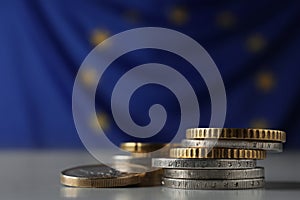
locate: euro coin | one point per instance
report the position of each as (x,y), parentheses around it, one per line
(95,176)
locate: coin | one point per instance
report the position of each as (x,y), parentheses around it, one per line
(180,163)
(236,133)
(225,174)
(217,153)
(239,144)
(213,184)
(97,176)
(137,147)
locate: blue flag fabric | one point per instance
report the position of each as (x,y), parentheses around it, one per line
(254,44)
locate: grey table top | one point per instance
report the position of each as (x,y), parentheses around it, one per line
(35,175)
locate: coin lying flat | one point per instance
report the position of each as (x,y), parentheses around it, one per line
(97,176)
(236,133)
(239,144)
(181,163)
(217,153)
(213,184)
(225,174)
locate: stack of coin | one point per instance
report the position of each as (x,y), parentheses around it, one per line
(219,158)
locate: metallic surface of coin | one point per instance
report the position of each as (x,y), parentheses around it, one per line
(236,133)
(97,176)
(239,144)
(221,174)
(213,184)
(180,163)
(218,153)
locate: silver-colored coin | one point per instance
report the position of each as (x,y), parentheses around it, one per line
(213,184)
(240,144)
(226,174)
(182,163)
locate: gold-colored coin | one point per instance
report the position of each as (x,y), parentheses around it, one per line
(95,176)
(138,147)
(217,153)
(236,133)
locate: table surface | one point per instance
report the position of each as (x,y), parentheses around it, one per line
(35,175)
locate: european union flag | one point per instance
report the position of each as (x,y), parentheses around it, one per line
(43,43)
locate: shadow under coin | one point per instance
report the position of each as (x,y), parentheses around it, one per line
(282,185)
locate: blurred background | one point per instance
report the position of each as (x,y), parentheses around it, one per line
(255,45)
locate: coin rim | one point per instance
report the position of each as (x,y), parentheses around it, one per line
(196,186)
(218,153)
(239,144)
(215,174)
(216,162)
(237,133)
